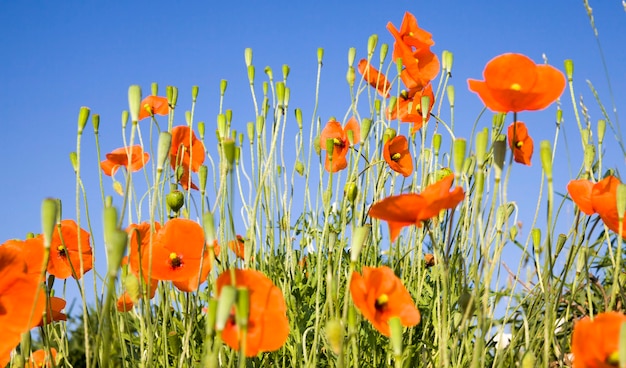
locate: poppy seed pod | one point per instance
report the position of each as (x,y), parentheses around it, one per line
(175,200)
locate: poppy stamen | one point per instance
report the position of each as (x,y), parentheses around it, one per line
(516,87)
(396,156)
(613,359)
(381,302)
(62,250)
(175,260)
(519,144)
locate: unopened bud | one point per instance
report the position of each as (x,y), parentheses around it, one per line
(83,115)
(134,101)
(458,151)
(569,69)
(335,335)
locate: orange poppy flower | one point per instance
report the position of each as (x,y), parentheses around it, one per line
(339,136)
(408,107)
(22,300)
(40,358)
(238,246)
(412,45)
(411,209)
(268,327)
(186,151)
(379,294)
(600,198)
(520,143)
(375,78)
(33,251)
(595,343)
(153,105)
(177,252)
(53,311)
(120,157)
(514,83)
(396,153)
(66,253)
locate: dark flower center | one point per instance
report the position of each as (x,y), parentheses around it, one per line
(175,261)
(381,303)
(62,251)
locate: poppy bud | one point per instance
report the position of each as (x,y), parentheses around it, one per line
(116,247)
(335,335)
(242,311)
(134,101)
(559,117)
(330,147)
(481,146)
(560,242)
(351,55)
(320,55)
(95,121)
(499,149)
(393,100)
(287,96)
(399,65)
(211,313)
(425,106)
(74,160)
(513,231)
(372,41)
(188,117)
(316,145)
(209,227)
(589,157)
(251,73)
(223,85)
(163,150)
(546,158)
(83,115)
(448,59)
(154,88)
(377,106)
(395,327)
(201,130)
(366,125)
(240,138)
(458,151)
(467,303)
(108,201)
(299,167)
(49,214)
(350,76)
(535,235)
(620,197)
(350,191)
(436,143)
(503,213)
(202,175)
(569,69)
(260,123)
(250,131)
(194,93)
(285,71)
(384,49)
(222,131)
(450,94)
(298,113)
(442,173)
(225,303)
(469,166)
(601,130)
(247,55)
(174,97)
(169,93)
(389,134)
(359,237)
(280,92)
(528,360)
(175,200)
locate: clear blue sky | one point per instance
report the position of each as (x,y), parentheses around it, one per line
(58,56)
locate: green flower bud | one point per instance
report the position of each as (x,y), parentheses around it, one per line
(134,101)
(545,152)
(384,49)
(211,315)
(83,115)
(351,55)
(317,146)
(389,134)
(559,116)
(589,156)
(287,96)
(601,130)
(208,224)
(450,94)
(201,128)
(49,214)
(621,202)
(481,146)
(366,125)
(535,235)
(448,59)
(299,118)
(227,299)
(320,55)
(513,231)
(280,92)
(560,242)
(528,360)
(154,88)
(350,191)
(299,167)
(350,76)
(247,54)
(499,150)
(569,69)
(285,71)
(377,106)
(202,176)
(425,106)
(251,73)
(95,122)
(359,237)
(174,97)
(372,41)
(163,150)
(395,326)
(442,173)
(194,93)
(169,93)
(74,160)
(222,130)
(175,200)
(335,335)
(188,117)
(223,85)
(469,166)
(458,149)
(242,312)
(250,131)
(228,148)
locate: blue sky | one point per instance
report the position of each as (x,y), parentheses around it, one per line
(59,56)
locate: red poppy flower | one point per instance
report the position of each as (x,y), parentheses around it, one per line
(339,136)
(40,358)
(33,251)
(53,311)
(408,107)
(411,209)
(412,45)
(132,158)
(66,252)
(375,78)
(513,83)
(186,151)
(153,105)
(600,198)
(595,343)
(520,143)
(238,246)
(396,153)
(177,252)
(379,294)
(268,327)
(22,300)
(141,237)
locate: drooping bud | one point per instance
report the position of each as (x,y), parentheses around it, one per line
(350,191)
(299,167)
(74,160)
(285,71)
